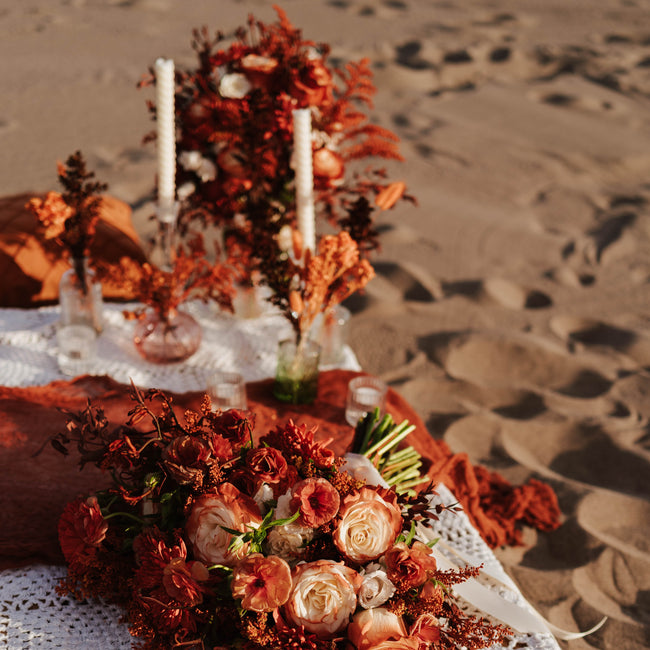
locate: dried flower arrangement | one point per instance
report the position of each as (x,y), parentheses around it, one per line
(208,540)
(235,131)
(69,219)
(192,276)
(305,284)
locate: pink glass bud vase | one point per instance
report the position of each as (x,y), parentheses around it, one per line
(171,339)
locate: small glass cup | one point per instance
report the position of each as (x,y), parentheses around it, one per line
(77,349)
(227,390)
(364,395)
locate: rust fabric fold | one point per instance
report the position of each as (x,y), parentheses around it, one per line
(35,488)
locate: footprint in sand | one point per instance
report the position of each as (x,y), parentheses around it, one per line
(413,283)
(618,520)
(595,334)
(617,585)
(577,451)
(504,292)
(497,362)
(510,294)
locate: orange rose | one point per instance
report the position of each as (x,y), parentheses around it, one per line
(226,507)
(312,84)
(408,567)
(262,583)
(368,523)
(371,627)
(426,629)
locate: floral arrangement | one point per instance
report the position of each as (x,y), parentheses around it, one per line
(305,284)
(191,276)
(235,135)
(209,540)
(69,219)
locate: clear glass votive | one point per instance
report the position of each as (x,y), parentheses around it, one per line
(364,395)
(77,349)
(227,390)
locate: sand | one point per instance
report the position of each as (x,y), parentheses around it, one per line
(511,306)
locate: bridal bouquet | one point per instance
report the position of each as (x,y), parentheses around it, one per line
(209,540)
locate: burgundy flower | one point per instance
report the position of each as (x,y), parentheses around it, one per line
(267,464)
(318,502)
(185,459)
(262,583)
(153,554)
(82,529)
(234,427)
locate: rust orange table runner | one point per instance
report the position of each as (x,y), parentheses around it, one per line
(35,489)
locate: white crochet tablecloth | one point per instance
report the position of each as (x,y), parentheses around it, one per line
(28,349)
(32,616)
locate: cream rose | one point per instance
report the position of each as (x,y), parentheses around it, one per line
(323,596)
(368,523)
(288,541)
(227,507)
(234,86)
(376,588)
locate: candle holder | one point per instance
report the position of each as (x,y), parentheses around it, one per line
(167,215)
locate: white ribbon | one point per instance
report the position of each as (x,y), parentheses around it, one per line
(522,619)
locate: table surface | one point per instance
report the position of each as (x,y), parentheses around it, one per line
(32,616)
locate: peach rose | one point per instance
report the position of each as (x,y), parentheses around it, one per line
(371,627)
(226,507)
(328,166)
(426,629)
(323,597)
(262,583)
(368,523)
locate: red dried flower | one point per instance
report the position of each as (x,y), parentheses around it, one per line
(181,581)
(81,529)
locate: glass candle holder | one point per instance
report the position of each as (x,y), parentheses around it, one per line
(227,390)
(364,395)
(296,378)
(77,349)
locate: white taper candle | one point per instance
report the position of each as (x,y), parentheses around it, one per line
(166,133)
(303,168)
